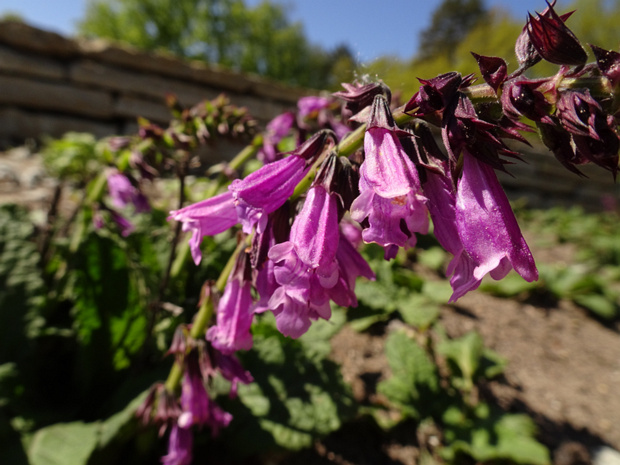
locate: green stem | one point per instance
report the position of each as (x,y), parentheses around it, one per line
(203,317)
(247,153)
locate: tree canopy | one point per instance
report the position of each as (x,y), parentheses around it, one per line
(259,40)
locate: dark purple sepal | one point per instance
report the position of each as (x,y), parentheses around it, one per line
(493,69)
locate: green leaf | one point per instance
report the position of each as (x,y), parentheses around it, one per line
(433,257)
(419,311)
(510,286)
(298,394)
(489,435)
(414,383)
(465,354)
(601,305)
(63,444)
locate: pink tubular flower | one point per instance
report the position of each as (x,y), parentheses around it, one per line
(180,445)
(306,265)
(206,218)
(390,194)
(267,188)
(197,407)
(488,230)
(234,315)
(123,193)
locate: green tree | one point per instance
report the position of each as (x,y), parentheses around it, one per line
(451,22)
(259,40)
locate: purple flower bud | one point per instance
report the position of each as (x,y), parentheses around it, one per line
(234,315)
(561,145)
(180,444)
(125,226)
(521,97)
(359,96)
(493,69)
(593,131)
(434,94)
(178,346)
(206,218)
(608,62)
(553,40)
(577,111)
(267,188)
(390,197)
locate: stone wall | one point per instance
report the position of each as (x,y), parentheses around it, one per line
(50,85)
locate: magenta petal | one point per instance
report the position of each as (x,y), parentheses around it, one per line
(266,189)
(315,230)
(442,207)
(234,318)
(206,218)
(487,226)
(387,168)
(180,444)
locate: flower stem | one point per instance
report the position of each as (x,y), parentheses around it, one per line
(203,317)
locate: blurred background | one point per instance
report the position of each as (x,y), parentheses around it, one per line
(321,43)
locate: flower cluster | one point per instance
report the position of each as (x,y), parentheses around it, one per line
(201,362)
(384,173)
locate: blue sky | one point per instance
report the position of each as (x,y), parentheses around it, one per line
(369,30)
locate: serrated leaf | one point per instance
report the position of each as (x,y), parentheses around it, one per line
(414,381)
(298,395)
(464,353)
(419,311)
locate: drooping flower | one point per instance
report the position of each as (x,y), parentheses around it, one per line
(390,195)
(180,444)
(488,228)
(276,232)
(123,193)
(234,315)
(194,397)
(440,191)
(267,188)
(230,368)
(197,407)
(125,226)
(206,218)
(305,266)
